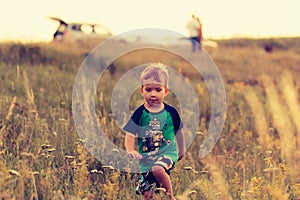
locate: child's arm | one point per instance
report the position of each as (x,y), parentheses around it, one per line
(129,146)
(180,143)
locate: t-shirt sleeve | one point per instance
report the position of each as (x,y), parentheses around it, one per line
(132,126)
(177,123)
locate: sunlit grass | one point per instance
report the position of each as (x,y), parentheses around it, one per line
(256,157)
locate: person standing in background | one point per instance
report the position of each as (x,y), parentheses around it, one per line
(200,33)
(194,28)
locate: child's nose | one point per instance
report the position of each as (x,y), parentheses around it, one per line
(153,93)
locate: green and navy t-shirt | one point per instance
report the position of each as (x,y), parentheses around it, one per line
(155,133)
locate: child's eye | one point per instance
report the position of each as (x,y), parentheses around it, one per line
(148,89)
(158,89)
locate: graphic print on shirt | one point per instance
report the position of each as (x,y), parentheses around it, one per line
(153,137)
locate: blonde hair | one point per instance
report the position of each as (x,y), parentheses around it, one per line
(158,72)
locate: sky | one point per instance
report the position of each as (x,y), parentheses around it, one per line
(27,20)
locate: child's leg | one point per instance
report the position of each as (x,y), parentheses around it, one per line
(149,195)
(163,179)
(145,183)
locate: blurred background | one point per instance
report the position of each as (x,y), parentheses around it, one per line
(27,20)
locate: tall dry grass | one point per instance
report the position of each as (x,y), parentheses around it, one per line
(280,119)
(256,157)
(291,97)
(260,120)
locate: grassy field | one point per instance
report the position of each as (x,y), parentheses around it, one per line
(256,157)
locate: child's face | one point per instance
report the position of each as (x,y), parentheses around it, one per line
(154,93)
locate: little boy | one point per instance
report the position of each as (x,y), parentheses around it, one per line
(155,124)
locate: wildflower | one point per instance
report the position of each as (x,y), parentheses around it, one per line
(282,167)
(14,172)
(108,167)
(62,120)
(269,162)
(192,192)
(84,140)
(188,168)
(111,115)
(96,171)
(199,133)
(46,146)
(256,183)
(115,150)
(70,158)
(269,152)
(239,86)
(161,190)
(51,150)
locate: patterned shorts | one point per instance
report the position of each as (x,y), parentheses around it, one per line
(147,180)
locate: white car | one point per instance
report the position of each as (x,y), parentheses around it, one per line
(79,31)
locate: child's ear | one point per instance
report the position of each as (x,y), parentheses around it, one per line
(141,89)
(166,90)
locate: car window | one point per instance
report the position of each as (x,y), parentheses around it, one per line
(100,30)
(76,27)
(86,29)
(62,28)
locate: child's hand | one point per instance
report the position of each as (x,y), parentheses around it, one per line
(134,155)
(180,156)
